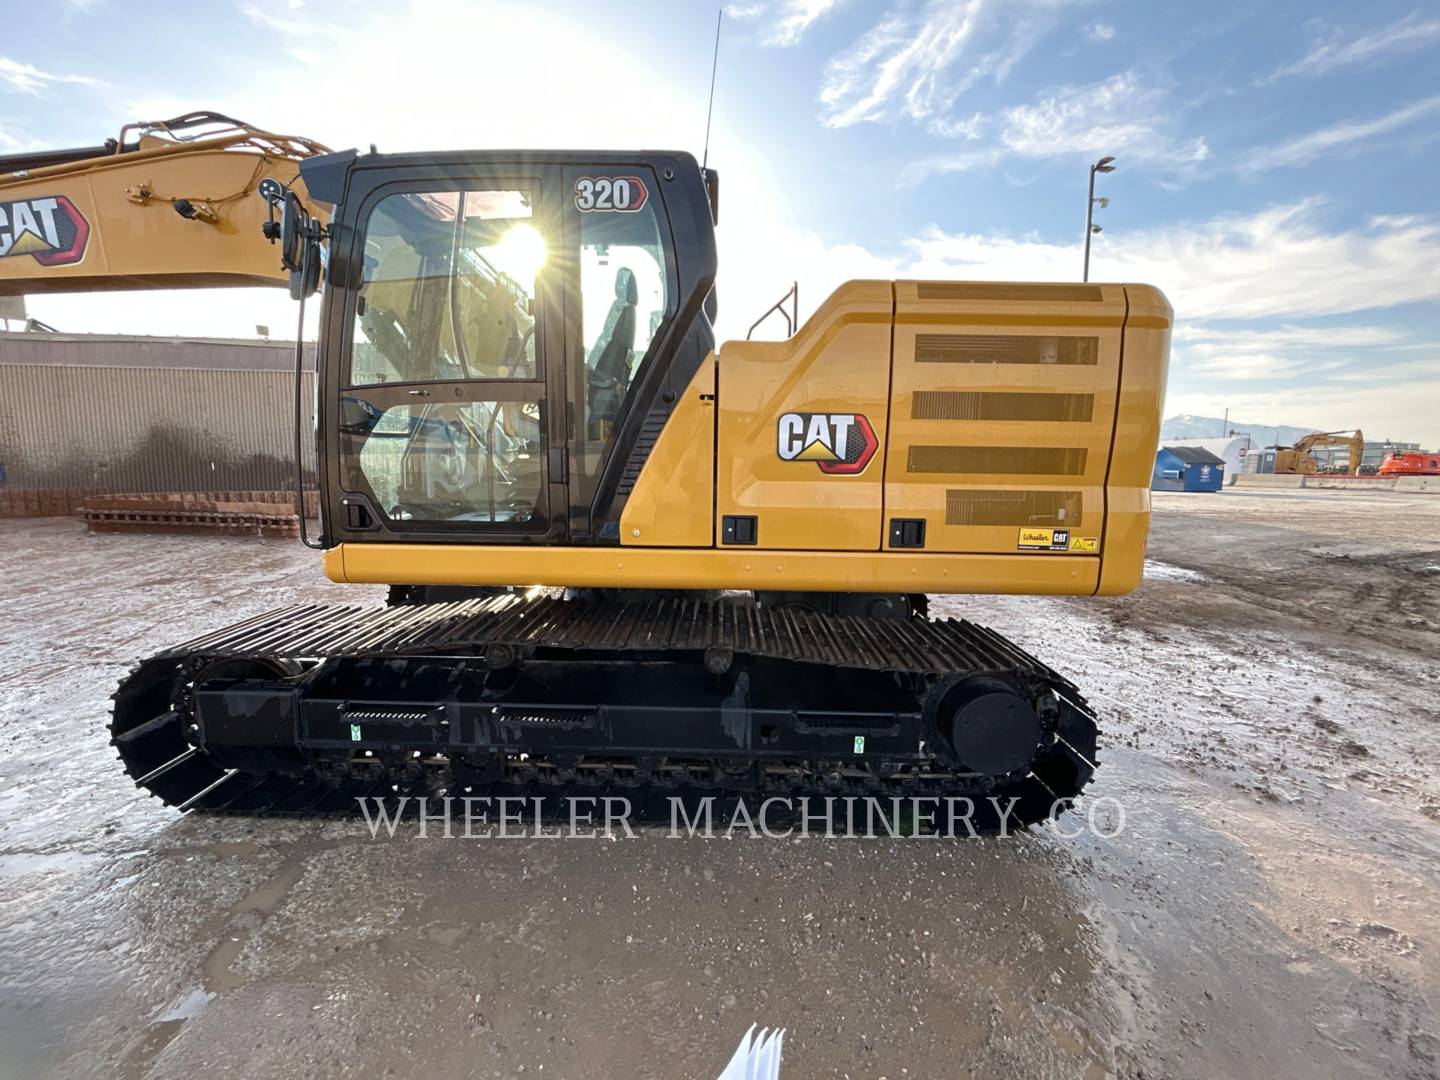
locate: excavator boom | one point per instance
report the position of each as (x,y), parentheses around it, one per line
(170,204)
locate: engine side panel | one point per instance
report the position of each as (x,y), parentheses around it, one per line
(795,415)
(1002,414)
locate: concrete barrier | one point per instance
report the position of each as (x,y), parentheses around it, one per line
(1418,483)
(1430,484)
(1269,480)
(1352,483)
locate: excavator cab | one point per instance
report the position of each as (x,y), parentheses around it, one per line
(501,331)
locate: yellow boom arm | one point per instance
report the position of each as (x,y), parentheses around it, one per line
(171,204)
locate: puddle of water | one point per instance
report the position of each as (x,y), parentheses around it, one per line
(261,903)
(64,862)
(186,1007)
(217,964)
(161,1031)
(147,1046)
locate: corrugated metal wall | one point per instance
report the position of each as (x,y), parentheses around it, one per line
(131,415)
(102,350)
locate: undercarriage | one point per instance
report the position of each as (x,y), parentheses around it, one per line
(316,711)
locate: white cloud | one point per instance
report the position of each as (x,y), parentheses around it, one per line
(794,18)
(31,80)
(1386,404)
(1277,263)
(1253,355)
(1327,377)
(1405,370)
(1292,336)
(915,64)
(296,31)
(1243,367)
(1306,148)
(279,16)
(970,128)
(1108,115)
(1342,49)
(1101,32)
(1122,115)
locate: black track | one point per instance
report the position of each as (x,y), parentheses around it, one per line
(156,730)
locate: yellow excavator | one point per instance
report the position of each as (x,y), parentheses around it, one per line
(622,558)
(1299,458)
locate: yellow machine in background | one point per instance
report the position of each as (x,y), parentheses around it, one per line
(526,428)
(1299,459)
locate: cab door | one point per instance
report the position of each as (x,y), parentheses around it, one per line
(621,293)
(446,377)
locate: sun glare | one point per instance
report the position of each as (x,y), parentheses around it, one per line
(521,253)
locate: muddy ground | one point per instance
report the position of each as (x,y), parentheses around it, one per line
(1271,704)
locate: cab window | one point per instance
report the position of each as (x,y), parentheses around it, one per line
(449,288)
(625,292)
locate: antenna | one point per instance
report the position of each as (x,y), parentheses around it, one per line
(710,109)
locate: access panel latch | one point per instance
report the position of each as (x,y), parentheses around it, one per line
(907,532)
(739,529)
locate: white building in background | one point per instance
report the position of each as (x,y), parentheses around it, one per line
(1233,451)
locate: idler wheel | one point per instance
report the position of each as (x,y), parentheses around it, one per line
(991,727)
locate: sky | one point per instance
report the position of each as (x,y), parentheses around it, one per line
(1275,163)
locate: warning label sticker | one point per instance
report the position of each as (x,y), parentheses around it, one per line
(1088,544)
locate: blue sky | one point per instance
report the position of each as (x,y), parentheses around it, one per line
(1276,173)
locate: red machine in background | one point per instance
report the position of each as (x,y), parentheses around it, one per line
(1410,463)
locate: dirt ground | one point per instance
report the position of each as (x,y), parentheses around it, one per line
(1270,701)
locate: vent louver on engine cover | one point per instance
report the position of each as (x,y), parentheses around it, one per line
(968,405)
(1005,349)
(1013,507)
(1041,460)
(1007,290)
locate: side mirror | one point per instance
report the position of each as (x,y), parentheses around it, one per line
(298,235)
(294,222)
(305,280)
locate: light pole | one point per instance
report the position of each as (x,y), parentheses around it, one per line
(1105,164)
